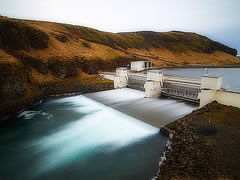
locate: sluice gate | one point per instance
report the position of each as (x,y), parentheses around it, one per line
(180,91)
(136,83)
(136,80)
(181,88)
(155,84)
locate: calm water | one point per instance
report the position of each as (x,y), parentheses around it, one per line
(231,76)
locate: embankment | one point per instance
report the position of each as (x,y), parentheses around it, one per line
(205,145)
(88,84)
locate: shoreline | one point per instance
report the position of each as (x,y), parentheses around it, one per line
(196,145)
(189,154)
(10,109)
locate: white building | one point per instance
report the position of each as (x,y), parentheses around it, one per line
(140,65)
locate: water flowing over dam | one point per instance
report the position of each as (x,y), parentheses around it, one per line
(154,111)
(105,135)
(79,137)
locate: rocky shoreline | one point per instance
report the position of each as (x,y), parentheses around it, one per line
(205,145)
(11,107)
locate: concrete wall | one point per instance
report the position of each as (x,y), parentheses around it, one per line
(222,97)
(120,81)
(228,98)
(211,83)
(121,72)
(152,89)
(154,75)
(206,96)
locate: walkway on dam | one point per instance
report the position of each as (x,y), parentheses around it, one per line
(154,111)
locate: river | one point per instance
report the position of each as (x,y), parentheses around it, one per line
(105,135)
(80,138)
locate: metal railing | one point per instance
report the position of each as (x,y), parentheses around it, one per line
(108,73)
(183,80)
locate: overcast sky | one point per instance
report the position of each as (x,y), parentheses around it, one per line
(218,19)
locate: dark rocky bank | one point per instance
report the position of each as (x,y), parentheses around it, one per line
(204,151)
(11,107)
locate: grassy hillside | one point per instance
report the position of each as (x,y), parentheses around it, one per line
(35,55)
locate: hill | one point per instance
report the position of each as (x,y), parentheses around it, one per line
(35,54)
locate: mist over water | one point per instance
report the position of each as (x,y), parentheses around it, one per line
(79,137)
(76,137)
(155,111)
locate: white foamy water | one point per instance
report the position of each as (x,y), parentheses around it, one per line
(30,114)
(102,126)
(154,111)
(105,135)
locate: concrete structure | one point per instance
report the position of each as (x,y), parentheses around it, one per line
(211,91)
(181,88)
(153,84)
(213,82)
(140,65)
(228,98)
(209,86)
(221,96)
(121,71)
(121,78)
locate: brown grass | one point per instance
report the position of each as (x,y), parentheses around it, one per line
(68,54)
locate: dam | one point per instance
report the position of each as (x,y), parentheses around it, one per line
(155,84)
(99,135)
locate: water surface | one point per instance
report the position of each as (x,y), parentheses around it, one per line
(231,76)
(95,136)
(79,138)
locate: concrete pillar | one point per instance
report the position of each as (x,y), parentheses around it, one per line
(121,78)
(209,86)
(153,84)
(206,96)
(213,82)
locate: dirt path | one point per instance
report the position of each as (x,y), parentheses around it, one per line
(202,150)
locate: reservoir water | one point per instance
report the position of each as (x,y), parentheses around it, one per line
(108,135)
(231,76)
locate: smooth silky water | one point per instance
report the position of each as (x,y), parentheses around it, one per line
(79,138)
(92,136)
